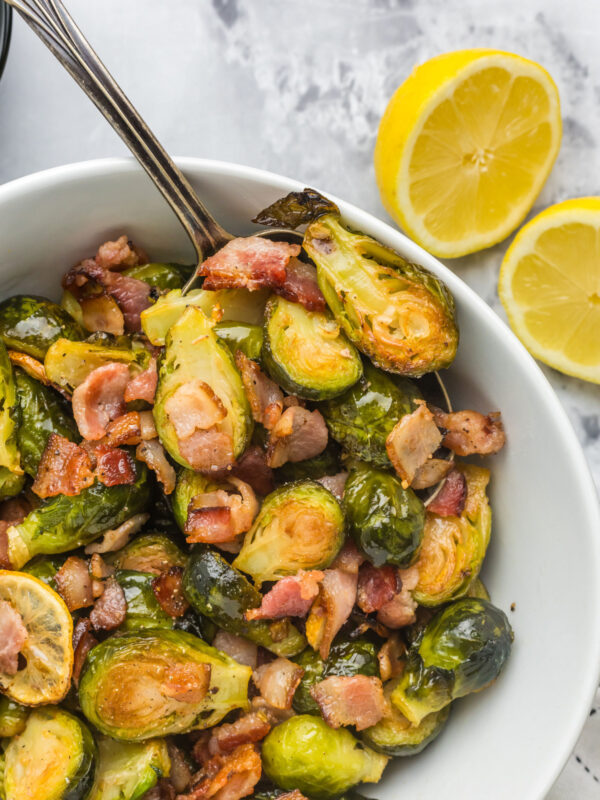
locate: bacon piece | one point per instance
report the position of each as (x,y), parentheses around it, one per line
(187,682)
(336,484)
(143,385)
(289,597)
(100,312)
(164,790)
(13,635)
(99,399)
(248,729)
(228,777)
(411,443)
(252,469)
(208,451)
(331,609)
(220,516)
(14,510)
(299,434)
(180,774)
(117,538)
(355,700)
(349,558)
(277,681)
(400,611)
(194,406)
(432,472)
(83,642)
(295,794)
(119,254)
(242,650)
(391,657)
(98,567)
(168,591)
(74,583)
(300,286)
(131,428)
(450,500)
(376,587)
(65,468)
(114,467)
(469,432)
(4,551)
(264,396)
(249,262)
(153,454)
(110,609)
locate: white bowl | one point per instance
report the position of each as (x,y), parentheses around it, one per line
(511,741)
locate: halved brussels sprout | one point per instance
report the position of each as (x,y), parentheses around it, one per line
(30,324)
(143,609)
(461,650)
(305,753)
(64,523)
(11,474)
(361,419)
(399,314)
(157,682)
(395,736)
(68,364)
(149,552)
(160,275)
(326,463)
(300,526)
(306,353)
(52,759)
(13,717)
(218,591)
(356,657)
(194,353)
(241,336)
(42,412)
(127,770)
(453,548)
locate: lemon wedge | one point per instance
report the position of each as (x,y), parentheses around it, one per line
(465,146)
(550,287)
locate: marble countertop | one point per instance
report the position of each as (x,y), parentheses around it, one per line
(299,88)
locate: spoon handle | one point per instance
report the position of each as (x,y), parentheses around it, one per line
(53,24)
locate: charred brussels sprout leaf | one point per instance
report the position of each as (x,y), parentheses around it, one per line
(241,336)
(326,463)
(300,526)
(461,650)
(454,547)
(69,363)
(306,353)
(295,209)
(305,753)
(13,717)
(161,276)
(194,353)
(361,419)
(218,591)
(397,313)
(42,412)
(11,473)
(157,682)
(384,519)
(52,759)
(478,589)
(143,609)
(64,523)
(127,770)
(395,736)
(31,324)
(356,657)
(149,552)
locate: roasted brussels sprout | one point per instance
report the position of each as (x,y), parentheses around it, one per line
(143,609)
(149,552)
(189,485)
(160,275)
(361,419)
(326,463)
(42,412)
(11,474)
(64,523)
(399,314)
(52,759)
(384,519)
(395,736)
(13,717)
(356,657)
(31,324)
(194,354)
(218,591)
(454,547)
(127,770)
(461,650)
(241,336)
(305,753)
(477,589)
(158,682)
(306,353)
(44,568)
(300,526)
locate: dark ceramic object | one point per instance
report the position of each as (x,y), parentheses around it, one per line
(5,27)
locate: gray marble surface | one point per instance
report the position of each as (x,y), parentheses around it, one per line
(298,88)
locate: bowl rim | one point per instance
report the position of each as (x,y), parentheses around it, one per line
(5,33)
(589,681)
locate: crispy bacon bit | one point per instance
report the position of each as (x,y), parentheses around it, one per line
(299,434)
(15,510)
(248,729)
(289,597)
(274,715)
(164,790)
(242,650)
(143,386)
(228,777)
(336,484)
(350,700)
(119,254)
(277,681)
(300,286)
(153,454)
(349,558)
(450,500)
(249,262)
(264,396)
(168,591)
(180,774)
(412,442)
(295,794)
(4,552)
(100,312)
(99,569)
(64,468)
(13,635)
(118,537)
(99,399)
(252,469)
(83,641)
(376,587)
(331,609)
(74,583)
(110,609)
(391,657)
(400,610)
(125,429)
(432,472)
(187,682)
(208,451)
(114,467)
(220,516)
(469,432)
